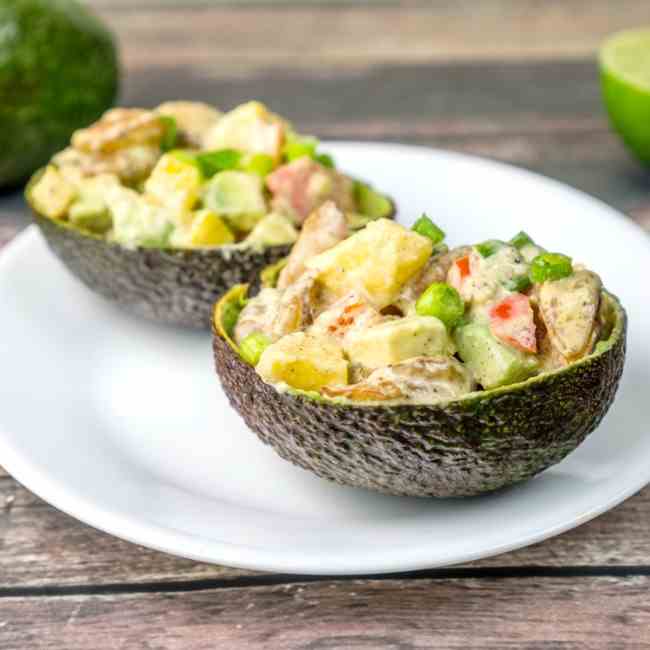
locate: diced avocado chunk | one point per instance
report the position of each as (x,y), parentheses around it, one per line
(252,347)
(492,363)
(398,340)
(90,211)
(51,194)
(370,202)
(91,215)
(273,230)
(137,220)
(238,197)
(304,361)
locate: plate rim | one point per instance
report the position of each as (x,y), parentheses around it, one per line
(255,557)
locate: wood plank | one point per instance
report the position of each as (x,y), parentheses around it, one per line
(525,613)
(236,39)
(497,96)
(44,547)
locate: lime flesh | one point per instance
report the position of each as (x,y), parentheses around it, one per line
(625,81)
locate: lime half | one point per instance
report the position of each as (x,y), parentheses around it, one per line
(625,80)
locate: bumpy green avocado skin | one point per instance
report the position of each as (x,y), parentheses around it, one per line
(479,444)
(58,72)
(178,287)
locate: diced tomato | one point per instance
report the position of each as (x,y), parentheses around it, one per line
(463,266)
(459,271)
(512,321)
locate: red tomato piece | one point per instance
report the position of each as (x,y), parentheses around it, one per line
(463,266)
(512,321)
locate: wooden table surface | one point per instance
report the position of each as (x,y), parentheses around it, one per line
(514,80)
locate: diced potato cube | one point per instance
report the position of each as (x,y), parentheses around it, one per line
(52,194)
(273,230)
(208,229)
(175,183)
(397,340)
(377,261)
(193,119)
(251,128)
(304,361)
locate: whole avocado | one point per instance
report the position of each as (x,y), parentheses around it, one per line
(58,72)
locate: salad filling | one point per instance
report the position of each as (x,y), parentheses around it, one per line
(185,175)
(391,314)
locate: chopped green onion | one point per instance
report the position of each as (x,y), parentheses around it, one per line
(258,163)
(170,133)
(442,301)
(252,346)
(521,239)
(325,159)
(425,227)
(550,266)
(213,162)
(298,147)
(489,247)
(519,284)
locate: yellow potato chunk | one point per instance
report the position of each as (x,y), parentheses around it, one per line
(251,128)
(208,229)
(376,261)
(304,361)
(52,194)
(174,183)
(396,340)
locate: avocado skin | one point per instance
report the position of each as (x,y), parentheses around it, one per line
(178,287)
(58,72)
(466,447)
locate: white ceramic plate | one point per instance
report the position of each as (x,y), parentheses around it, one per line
(122,423)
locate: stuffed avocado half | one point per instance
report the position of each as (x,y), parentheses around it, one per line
(391,362)
(163,210)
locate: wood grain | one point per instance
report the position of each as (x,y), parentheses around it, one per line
(44,547)
(234,39)
(528,613)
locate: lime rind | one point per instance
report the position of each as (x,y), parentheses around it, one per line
(626,55)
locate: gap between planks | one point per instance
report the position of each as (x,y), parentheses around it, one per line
(281,579)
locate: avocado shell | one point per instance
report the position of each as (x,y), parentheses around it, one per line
(172,286)
(477,444)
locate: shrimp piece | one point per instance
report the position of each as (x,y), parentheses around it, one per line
(569,308)
(301,186)
(119,128)
(296,307)
(258,314)
(420,380)
(323,229)
(193,119)
(131,164)
(350,313)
